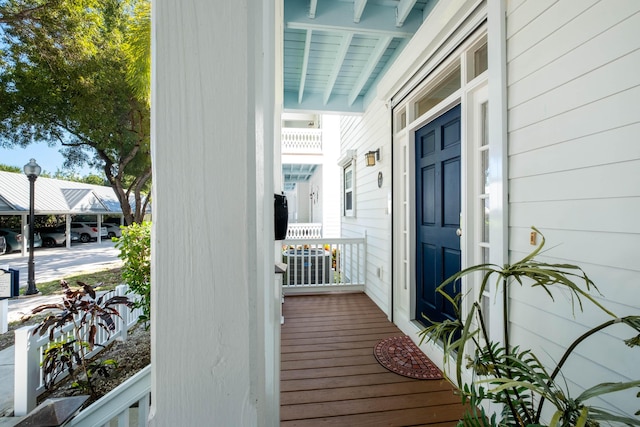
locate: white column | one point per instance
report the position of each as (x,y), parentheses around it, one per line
(214,332)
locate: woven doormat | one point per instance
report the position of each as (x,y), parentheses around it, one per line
(401,356)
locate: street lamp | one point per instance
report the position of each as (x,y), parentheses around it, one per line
(32,170)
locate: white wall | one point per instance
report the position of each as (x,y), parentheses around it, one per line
(366,133)
(315,195)
(574,172)
(331,191)
(214,313)
(574,169)
(303,212)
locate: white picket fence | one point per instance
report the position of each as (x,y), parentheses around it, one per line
(29,352)
(322,265)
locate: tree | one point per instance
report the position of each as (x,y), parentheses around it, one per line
(63,80)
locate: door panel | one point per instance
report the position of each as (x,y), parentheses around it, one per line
(438,181)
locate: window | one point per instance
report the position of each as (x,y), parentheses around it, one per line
(348,190)
(437,94)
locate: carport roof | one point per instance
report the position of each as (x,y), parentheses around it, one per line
(55,196)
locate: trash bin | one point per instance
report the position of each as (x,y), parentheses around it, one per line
(307,266)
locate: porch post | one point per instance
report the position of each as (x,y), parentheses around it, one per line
(213,336)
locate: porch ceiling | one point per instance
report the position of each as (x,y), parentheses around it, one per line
(335,50)
(297,172)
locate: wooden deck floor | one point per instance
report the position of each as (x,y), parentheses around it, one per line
(329,376)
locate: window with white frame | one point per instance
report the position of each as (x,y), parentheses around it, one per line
(348,190)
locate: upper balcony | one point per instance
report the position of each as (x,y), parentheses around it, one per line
(301,141)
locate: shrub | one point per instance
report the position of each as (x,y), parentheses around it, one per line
(515,377)
(135,252)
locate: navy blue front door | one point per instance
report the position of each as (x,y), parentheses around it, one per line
(437,212)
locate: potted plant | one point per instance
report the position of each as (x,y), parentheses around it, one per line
(515,377)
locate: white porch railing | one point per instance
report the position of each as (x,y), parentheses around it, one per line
(29,353)
(301,141)
(322,265)
(304,230)
(124,406)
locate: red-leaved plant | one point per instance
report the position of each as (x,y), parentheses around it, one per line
(87,312)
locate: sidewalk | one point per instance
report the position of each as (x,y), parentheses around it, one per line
(50,264)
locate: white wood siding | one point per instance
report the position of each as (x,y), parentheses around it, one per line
(215,315)
(366,133)
(574,172)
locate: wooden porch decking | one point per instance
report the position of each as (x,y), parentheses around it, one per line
(329,376)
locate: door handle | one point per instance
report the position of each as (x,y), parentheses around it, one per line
(459,232)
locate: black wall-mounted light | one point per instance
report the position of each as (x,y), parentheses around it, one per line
(371,157)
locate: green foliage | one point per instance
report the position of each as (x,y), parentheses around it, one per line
(514,377)
(135,252)
(72,355)
(63,81)
(138,49)
(7,168)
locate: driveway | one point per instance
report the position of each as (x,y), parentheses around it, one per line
(55,264)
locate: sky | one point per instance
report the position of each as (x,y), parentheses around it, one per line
(49,159)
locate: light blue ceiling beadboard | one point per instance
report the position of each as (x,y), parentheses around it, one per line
(335,50)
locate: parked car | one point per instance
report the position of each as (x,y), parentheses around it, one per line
(3,245)
(89,231)
(13,239)
(75,236)
(113,230)
(56,236)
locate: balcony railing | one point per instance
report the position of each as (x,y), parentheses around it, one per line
(321,265)
(304,230)
(125,405)
(301,141)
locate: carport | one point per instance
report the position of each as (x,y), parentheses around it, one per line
(55,197)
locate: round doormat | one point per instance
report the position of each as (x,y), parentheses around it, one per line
(401,356)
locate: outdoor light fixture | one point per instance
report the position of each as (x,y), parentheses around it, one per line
(32,170)
(372,156)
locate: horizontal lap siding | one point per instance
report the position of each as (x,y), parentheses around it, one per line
(368,133)
(574,172)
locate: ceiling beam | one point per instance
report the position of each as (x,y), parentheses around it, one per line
(313,5)
(374,57)
(402,11)
(335,15)
(305,64)
(337,65)
(358,8)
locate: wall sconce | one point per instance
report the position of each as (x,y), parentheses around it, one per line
(371,157)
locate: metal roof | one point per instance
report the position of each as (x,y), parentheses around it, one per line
(336,50)
(55,196)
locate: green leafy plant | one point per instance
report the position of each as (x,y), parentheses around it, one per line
(515,377)
(87,312)
(135,252)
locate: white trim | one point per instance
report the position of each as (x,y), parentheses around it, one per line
(498,174)
(347,158)
(455,20)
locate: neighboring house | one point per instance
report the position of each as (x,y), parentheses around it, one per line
(310,145)
(544,94)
